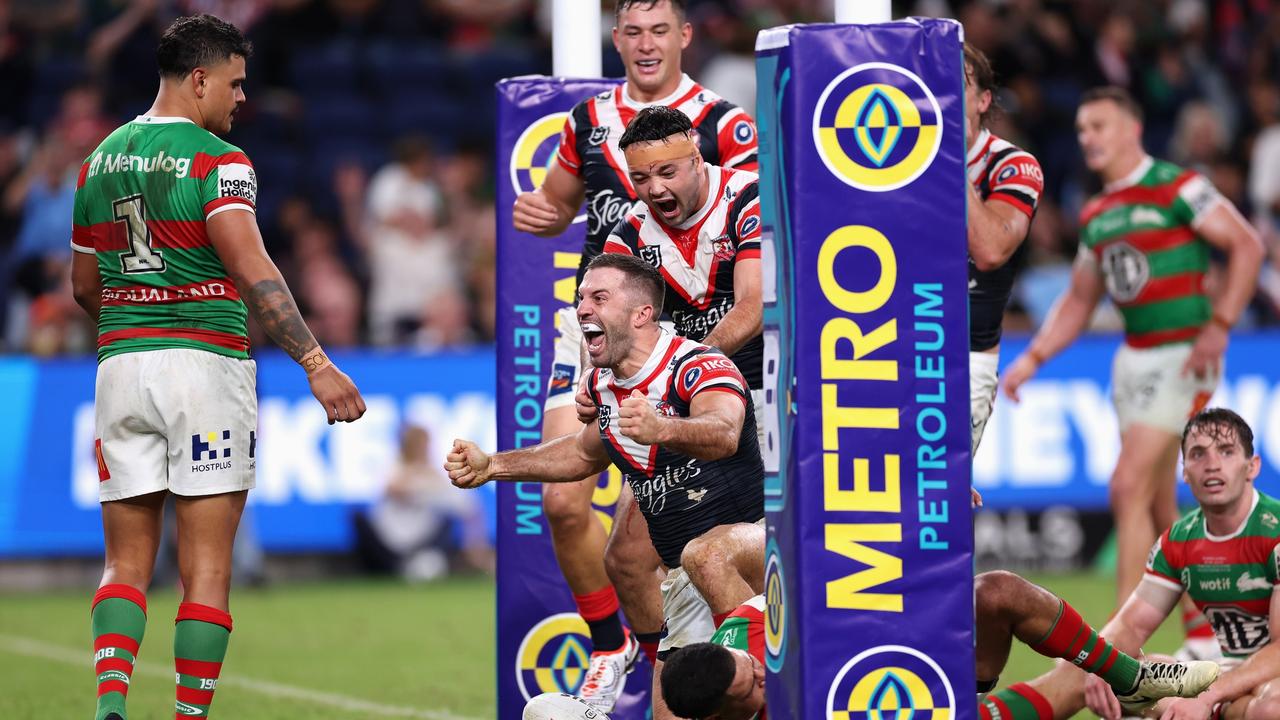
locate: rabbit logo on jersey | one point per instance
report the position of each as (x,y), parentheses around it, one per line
(877,127)
(553,656)
(891,681)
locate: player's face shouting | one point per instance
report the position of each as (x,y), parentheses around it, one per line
(1217,467)
(668,176)
(604,313)
(1104,130)
(650,40)
(223,93)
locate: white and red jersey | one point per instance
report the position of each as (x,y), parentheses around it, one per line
(1000,171)
(697,257)
(725,133)
(682,497)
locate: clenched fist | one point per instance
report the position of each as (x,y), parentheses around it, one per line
(533,213)
(467,465)
(638,421)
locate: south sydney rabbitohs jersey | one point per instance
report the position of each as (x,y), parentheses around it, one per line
(1230,579)
(682,497)
(697,259)
(1000,171)
(142,200)
(589,150)
(744,630)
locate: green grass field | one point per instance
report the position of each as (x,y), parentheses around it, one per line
(341,650)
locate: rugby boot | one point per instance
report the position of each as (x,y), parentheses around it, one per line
(607,674)
(1161,680)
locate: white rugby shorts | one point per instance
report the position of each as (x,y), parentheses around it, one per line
(983,382)
(687,615)
(566,362)
(1148,387)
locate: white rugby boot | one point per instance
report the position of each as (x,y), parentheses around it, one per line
(1161,680)
(607,674)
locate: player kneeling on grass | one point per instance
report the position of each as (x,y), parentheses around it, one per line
(724,678)
(675,417)
(1225,555)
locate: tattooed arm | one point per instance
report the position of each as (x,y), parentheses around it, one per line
(236,239)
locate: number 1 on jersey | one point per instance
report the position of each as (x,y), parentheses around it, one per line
(141,258)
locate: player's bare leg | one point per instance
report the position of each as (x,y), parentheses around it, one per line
(726,564)
(1262,704)
(206,533)
(634,566)
(131,530)
(1148,457)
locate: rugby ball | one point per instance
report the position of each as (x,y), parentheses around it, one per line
(560,706)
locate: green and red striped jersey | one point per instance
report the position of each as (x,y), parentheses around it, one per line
(1229,578)
(141,203)
(1141,232)
(744,630)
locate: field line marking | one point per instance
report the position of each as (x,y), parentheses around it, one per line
(58,653)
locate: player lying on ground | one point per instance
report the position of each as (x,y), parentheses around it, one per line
(674,416)
(724,678)
(1223,554)
(650,36)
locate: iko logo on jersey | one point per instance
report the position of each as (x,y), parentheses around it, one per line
(120,162)
(239,181)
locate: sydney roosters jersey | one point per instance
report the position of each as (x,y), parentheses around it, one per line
(1000,171)
(682,497)
(697,258)
(589,150)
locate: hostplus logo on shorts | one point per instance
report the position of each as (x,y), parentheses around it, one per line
(877,127)
(211,451)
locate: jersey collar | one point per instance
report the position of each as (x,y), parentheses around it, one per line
(1234,533)
(161,120)
(1133,177)
(665,338)
(979,146)
(686,84)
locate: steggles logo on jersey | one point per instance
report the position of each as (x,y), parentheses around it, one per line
(697,326)
(119,162)
(605,211)
(652,492)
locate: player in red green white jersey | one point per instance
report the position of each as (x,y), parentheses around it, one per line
(1225,555)
(169,262)
(1145,243)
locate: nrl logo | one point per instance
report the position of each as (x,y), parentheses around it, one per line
(599,135)
(651,254)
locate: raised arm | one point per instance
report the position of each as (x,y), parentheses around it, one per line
(711,431)
(745,320)
(996,229)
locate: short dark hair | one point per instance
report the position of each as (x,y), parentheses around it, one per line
(1115,94)
(654,123)
(978,67)
(625,5)
(198,41)
(640,275)
(1217,423)
(695,679)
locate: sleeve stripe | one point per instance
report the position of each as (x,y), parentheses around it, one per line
(236,204)
(748,253)
(81,248)
(731,117)
(1017,202)
(1199,219)
(731,389)
(741,159)
(613,246)
(1159,579)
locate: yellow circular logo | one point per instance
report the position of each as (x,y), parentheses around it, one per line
(877,126)
(534,152)
(775,624)
(891,681)
(553,656)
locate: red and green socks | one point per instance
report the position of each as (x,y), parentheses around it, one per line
(119,617)
(1016,702)
(199,645)
(1073,640)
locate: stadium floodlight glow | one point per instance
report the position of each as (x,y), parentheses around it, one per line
(575,39)
(863,12)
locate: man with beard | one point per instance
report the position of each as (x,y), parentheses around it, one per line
(674,416)
(650,36)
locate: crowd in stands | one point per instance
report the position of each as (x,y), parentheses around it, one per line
(370,123)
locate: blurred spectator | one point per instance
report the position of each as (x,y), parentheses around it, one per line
(423,524)
(411,258)
(1199,137)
